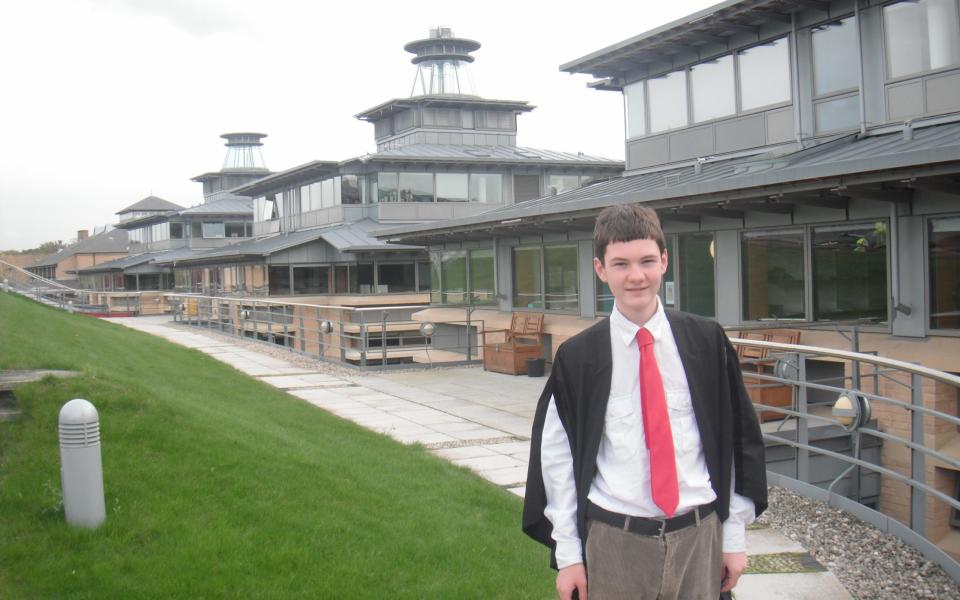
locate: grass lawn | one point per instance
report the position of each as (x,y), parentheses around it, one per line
(219,486)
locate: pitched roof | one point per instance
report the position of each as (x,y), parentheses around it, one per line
(234,205)
(150,203)
(111,241)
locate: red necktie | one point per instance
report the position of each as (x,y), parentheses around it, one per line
(656,428)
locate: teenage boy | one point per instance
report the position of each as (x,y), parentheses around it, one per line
(646,458)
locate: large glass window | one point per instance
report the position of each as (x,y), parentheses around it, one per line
(213,230)
(558,184)
(349,190)
(764,74)
(423,276)
(453,273)
(527,278)
(311,280)
(773,275)
(668,101)
(361,278)
(416,187)
(944,247)
(835,56)
(386,187)
(452,187)
(481,276)
(435,268)
(486,187)
(560,278)
(839,113)
(234,230)
(921,35)
(635,109)
(341,279)
(697,273)
(399,277)
(279,279)
(176,231)
(850,271)
(713,90)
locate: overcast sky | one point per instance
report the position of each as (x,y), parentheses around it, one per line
(104,102)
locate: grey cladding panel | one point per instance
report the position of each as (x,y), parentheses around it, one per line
(691,143)
(740,134)
(904,100)
(943,93)
(780,125)
(643,153)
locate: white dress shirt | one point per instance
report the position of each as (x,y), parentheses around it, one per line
(622,481)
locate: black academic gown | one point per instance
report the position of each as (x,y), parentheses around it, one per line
(580,386)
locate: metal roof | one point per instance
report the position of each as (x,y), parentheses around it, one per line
(345,237)
(150,203)
(135,262)
(308,171)
(236,205)
(764,182)
(712,26)
(488,154)
(111,241)
(453,100)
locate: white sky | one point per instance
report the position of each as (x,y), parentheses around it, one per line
(104,102)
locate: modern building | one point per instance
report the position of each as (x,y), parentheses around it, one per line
(443,153)
(804,158)
(88,250)
(160,230)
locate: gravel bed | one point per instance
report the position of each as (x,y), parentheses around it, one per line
(869,563)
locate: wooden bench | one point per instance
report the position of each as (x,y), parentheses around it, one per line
(507,350)
(768,393)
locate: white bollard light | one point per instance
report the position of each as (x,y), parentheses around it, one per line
(81,470)
(6,284)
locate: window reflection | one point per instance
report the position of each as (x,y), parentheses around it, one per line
(486,187)
(921,35)
(527,290)
(850,271)
(558,184)
(839,113)
(635,109)
(560,270)
(773,275)
(668,101)
(764,74)
(452,187)
(697,274)
(835,56)
(944,248)
(416,187)
(713,91)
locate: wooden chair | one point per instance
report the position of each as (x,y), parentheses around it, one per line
(771,393)
(507,350)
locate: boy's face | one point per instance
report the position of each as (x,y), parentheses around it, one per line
(633,270)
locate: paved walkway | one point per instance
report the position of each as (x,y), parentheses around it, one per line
(481,421)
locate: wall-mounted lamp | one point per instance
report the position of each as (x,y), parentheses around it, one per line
(851,410)
(427,329)
(326,326)
(903,309)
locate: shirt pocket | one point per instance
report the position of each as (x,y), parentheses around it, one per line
(683,422)
(623,430)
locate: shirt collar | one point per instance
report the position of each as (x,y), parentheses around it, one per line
(627,330)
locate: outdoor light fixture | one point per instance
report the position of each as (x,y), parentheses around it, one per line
(851,410)
(326,326)
(70,306)
(427,329)
(245,314)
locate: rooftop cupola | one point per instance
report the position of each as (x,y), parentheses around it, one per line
(442,64)
(243,151)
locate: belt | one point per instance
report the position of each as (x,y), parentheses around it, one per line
(647,526)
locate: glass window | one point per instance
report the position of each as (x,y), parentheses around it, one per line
(327,197)
(386,187)
(235,230)
(921,35)
(850,272)
(696,266)
(604,296)
(560,269)
(668,101)
(944,248)
(453,276)
(481,276)
(835,56)
(635,109)
(349,190)
(452,187)
(213,230)
(311,280)
(361,278)
(713,89)
(416,187)
(395,278)
(764,74)
(527,289)
(176,231)
(773,275)
(558,184)
(279,279)
(839,113)
(668,286)
(423,276)
(435,265)
(486,187)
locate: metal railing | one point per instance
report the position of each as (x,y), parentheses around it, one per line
(382,337)
(893,404)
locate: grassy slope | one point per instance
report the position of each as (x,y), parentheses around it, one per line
(218,486)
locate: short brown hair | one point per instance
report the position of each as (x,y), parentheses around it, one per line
(625,223)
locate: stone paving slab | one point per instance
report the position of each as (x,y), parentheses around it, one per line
(791,586)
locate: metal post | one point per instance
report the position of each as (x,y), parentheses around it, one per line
(469,345)
(383,339)
(303,341)
(286,328)
(855,435)
(343,346)
(363,343)
(918,504)
(803,431)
